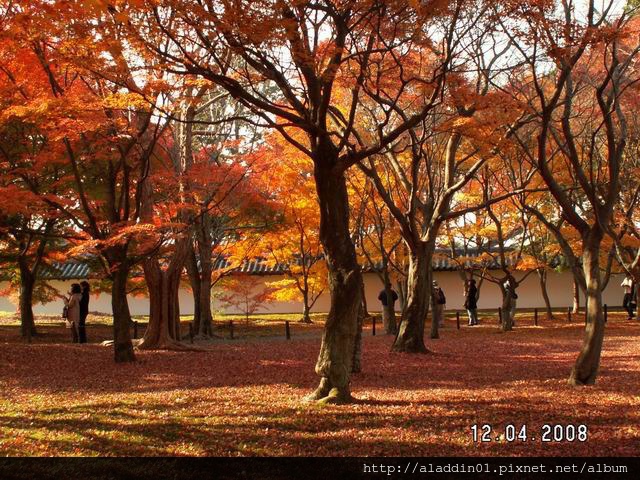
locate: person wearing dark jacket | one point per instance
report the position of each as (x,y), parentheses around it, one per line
(388,310)
(84,312)
(471,302)
(383,297)
(439,303)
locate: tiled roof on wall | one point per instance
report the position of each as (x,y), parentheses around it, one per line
(66,271)
(75,270)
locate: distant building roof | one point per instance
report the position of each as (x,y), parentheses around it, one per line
(74,270)
(66,271)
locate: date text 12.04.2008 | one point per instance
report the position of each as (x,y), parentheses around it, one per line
(521,433)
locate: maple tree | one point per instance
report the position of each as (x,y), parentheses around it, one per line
(379,242)
(542,249)
(27,228)
(319,39)
(143,138)
(581,131)
(623,231)
(294,244)
(508,234)
(99,135)
(229,208)
(245,292)
(420,176)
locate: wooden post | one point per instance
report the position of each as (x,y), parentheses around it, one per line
(535,317)
(606,312)
(373,331)
(191,331)
(135,329)
(500,315)
(231,329)
(458,319)
(287,331)
(569,313)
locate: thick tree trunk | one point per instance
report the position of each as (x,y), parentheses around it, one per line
(164,308)
(507,319)
(388,310)
(402,295)
(123,348)
(389,319)
(200,280)
(205,244)
(410,337)
(338,340)
(163,312)
(27,283)
(586,367)
(542,276)
(576,297)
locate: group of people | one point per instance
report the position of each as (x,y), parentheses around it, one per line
(76,310)
(440,301)
(77,304)
(471,299)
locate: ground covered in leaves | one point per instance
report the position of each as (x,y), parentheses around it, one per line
(243,397)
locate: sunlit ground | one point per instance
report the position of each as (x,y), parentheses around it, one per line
(244,397)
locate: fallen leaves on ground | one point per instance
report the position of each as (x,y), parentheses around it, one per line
(245,398)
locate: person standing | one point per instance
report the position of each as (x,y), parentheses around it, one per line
(471,302)
(627,301)
(84,311)
(513,298)
(388,309)
(73,309)
(439,302)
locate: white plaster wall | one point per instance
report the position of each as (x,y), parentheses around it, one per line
(559,287)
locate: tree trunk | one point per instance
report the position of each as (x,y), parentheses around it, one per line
(410,337)
(205,244)
(200,280)
(388,310)
(434,334)
(435,309)
(206,318)
(194,281)
(542,276)
(507,319)
(402,294)
(389,319)
(356,366)
(123,348)
(164,309)
(365,309)
(586,367)
(306,317)
(576,297)
(338,340)
(27,283)
(637,287)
